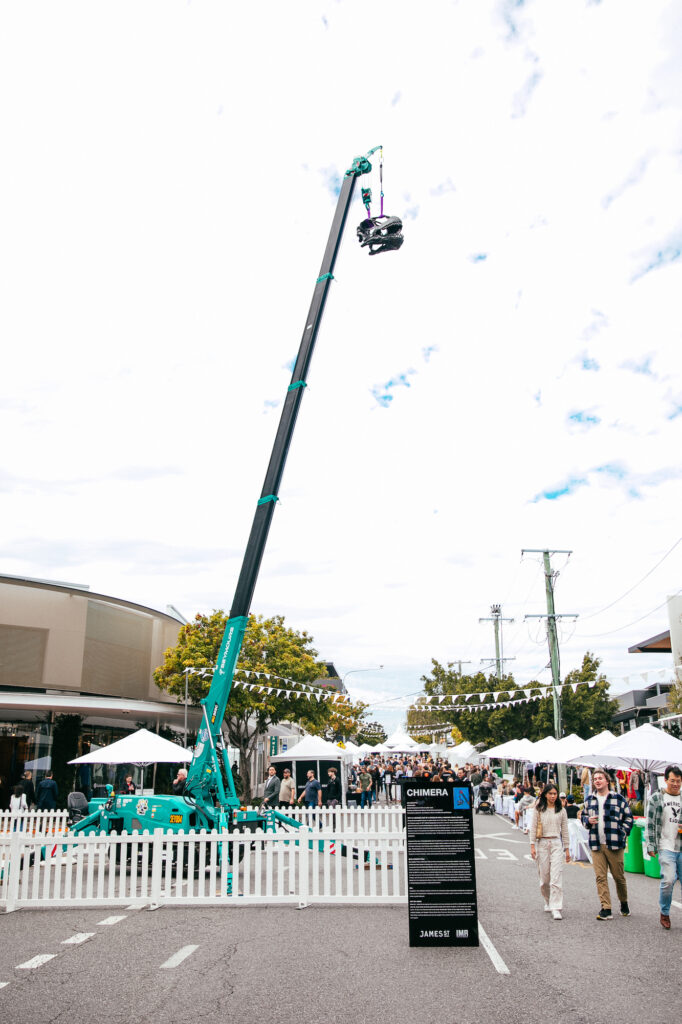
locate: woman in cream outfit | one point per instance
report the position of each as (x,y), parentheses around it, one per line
(548,833)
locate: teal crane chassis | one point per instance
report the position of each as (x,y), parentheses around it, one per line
(210,801)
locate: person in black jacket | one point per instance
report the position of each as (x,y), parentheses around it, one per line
(333,795)
(28,788)
(179,782)
(46,794)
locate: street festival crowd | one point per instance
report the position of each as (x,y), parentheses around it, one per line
(541,811)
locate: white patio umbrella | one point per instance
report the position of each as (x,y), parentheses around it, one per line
(141,748)
(647,748)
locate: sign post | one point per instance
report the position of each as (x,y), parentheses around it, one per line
(441,873)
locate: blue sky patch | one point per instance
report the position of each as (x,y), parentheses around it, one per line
(643,366)
(382,392)
(584,418)
(561,490)
(588,363)
(613,469)
(669,254)
(478,257)
(332,180)
(428,351)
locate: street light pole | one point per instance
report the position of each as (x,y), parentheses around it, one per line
(350,673)
(187,671)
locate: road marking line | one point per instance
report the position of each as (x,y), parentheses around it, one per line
(498,963)
(178,957)
(504,853)
(676,904)
(4,984)
(113,920)
(76,939)
(36,961)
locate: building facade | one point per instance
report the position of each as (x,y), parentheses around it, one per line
(66,651)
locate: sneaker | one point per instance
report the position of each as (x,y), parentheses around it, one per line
(604,915)
(514,827)
(665,921)
(624,910)
(556,914)
(547,908)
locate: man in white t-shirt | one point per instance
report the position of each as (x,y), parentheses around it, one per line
(664,837)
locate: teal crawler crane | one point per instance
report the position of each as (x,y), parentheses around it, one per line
(210,801)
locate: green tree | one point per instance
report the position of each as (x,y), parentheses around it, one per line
(674,699)
(372,733)
(269,646)
(486,726)
(587,711)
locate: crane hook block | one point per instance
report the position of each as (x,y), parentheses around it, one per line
(366,196)
(380,234)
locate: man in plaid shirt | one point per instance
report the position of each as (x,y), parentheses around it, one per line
(608,817)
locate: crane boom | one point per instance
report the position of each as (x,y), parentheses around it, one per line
(206,774)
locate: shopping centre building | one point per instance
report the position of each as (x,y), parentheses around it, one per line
(66,651)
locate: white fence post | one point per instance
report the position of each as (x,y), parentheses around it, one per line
(157,864)
(13,866)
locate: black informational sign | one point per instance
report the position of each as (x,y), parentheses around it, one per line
(441,876)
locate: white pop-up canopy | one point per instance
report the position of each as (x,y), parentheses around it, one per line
(314,753)
(512,750)
(313,748)
(400,742)
(140,748)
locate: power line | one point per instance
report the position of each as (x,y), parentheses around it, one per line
(606,607)
(591,636)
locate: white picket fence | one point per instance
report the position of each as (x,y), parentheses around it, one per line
(350,819)
(43,823)
(341,819)
(232,869)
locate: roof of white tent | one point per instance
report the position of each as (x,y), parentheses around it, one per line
(400,741)
(140,748)
(646,748)
(597,743)
(313,748)
(568,747)
(463,750)
(546,750)
(351,747)
(511,749)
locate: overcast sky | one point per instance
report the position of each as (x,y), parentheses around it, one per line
(511,378)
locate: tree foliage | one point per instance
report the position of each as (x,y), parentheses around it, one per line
(585,712)
(269,646)
(371,733)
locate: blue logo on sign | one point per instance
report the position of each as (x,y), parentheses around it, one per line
(461,798)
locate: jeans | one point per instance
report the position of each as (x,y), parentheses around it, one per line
(671,872)
(366,797)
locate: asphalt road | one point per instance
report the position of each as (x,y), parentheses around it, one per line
(280,965)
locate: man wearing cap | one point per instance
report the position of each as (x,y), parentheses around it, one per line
(608,817)
(663,836)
